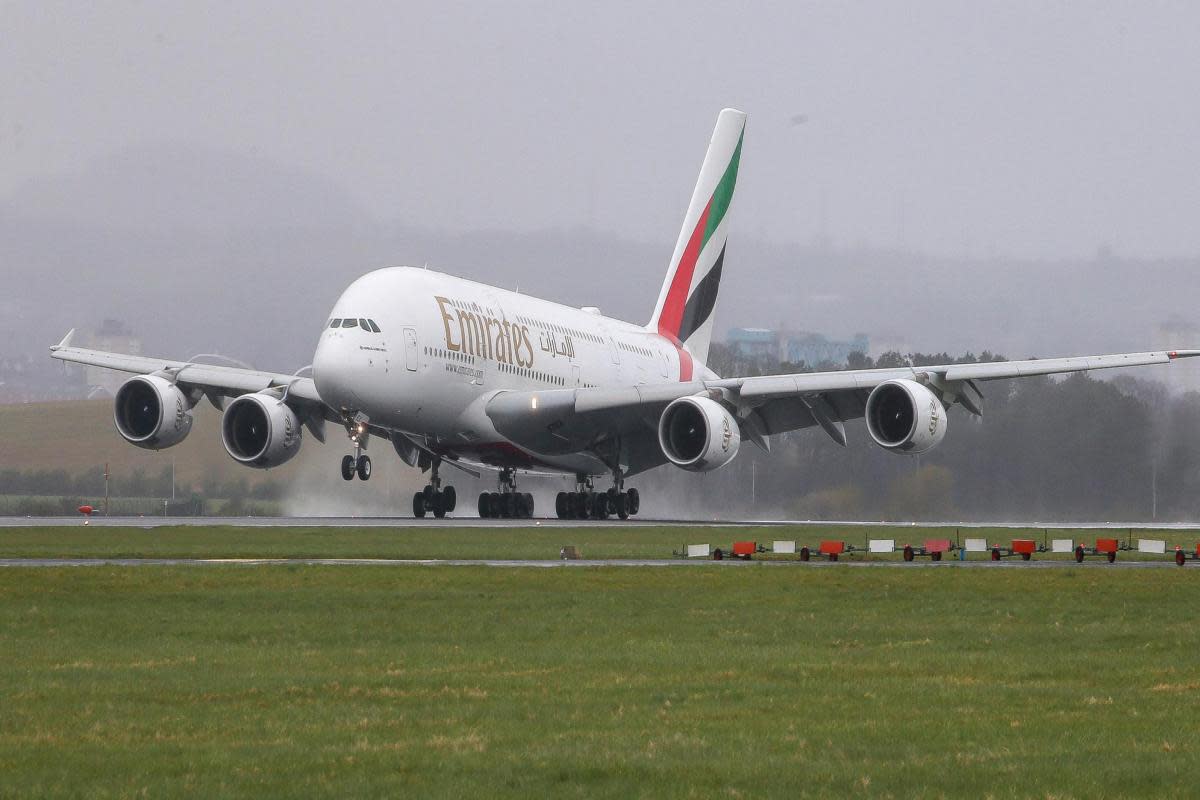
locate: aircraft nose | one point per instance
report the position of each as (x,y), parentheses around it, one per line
(331,371)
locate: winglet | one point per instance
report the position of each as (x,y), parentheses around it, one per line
(66,341)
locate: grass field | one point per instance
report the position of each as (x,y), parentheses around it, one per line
(375,681)
(488,542)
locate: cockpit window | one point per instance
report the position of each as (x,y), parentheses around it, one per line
(374,327)
(335,323)
(349,323)
(363,324)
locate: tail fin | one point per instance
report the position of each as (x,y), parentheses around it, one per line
(685,304)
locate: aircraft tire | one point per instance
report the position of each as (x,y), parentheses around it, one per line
(560,505)
(364,468)
(485,507)
(450,498)
(494,505)
(528,505)
(620,506)
(634,502)
(418,505)
(348,468)
(439,505)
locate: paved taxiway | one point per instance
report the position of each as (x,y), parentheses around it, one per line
(550,564)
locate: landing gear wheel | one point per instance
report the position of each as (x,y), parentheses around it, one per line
(485,506)
(439,505)
(634,502)
(450,498)
(589,505)
(494,505)
(508,505)
(419,505)
(348,468)
(621,508)
(364,468)
(528,505)
(600,506)
(560,505)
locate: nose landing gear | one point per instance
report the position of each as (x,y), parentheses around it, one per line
(507,503)
(359,463)
(434,499)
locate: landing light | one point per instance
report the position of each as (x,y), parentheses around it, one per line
(533,404)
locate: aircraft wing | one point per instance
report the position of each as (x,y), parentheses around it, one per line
(213,380)
(563,420)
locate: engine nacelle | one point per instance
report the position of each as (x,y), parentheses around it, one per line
(260,431)
(905,417)
(152,412)
(698,434)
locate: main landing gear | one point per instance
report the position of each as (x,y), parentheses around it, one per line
(507,503)
(587,503)
(360,463)
(434,498)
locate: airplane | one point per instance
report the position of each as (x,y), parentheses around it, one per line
(458,373)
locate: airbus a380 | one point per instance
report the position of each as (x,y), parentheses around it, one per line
(454,372)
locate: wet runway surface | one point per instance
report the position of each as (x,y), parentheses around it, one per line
(550,564)
(476,522)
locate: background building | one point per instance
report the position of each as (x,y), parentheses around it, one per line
(794,347)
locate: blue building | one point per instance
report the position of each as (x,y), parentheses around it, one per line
(794,346)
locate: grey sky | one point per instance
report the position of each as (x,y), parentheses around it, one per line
(1030,129)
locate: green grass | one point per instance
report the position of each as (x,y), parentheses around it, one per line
(494,542)
(621,682)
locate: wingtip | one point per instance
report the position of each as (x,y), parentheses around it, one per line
(66,341)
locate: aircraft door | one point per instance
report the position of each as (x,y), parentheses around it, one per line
(410,349)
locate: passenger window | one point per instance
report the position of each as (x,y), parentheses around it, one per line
(374,327)
(349,323)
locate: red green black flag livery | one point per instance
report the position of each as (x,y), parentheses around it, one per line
(689,293)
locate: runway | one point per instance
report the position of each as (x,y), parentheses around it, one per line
(476,522)
(567,564)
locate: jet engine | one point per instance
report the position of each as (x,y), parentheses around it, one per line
(260,430)
(698,434)
(152,412)
(905,417)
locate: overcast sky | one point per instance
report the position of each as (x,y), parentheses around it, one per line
(959,128)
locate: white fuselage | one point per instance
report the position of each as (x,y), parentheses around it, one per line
(446,346)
